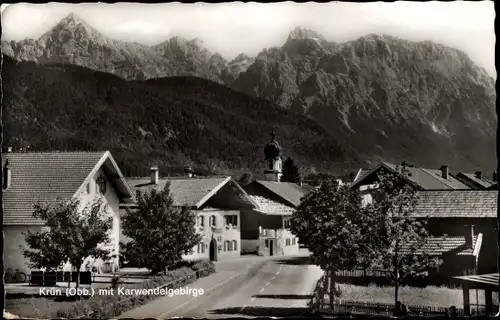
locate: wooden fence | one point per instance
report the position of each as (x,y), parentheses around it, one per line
(320,304)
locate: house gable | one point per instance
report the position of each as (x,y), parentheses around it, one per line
(47,177)
(423,179)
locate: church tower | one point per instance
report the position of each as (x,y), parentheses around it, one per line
(272,153)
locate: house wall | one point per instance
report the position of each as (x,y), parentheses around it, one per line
(111,199)
(223,233)
(14,238)
(13,247)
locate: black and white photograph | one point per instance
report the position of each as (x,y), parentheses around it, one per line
(249,160)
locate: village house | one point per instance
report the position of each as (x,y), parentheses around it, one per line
(422,179)
(468,215)
(461,221)
(266,230)
(218,203)
(50,177)
(477,180)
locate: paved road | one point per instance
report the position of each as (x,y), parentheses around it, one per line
(243,288)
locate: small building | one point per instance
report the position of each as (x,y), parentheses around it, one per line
(469,219)
(477,180)
(422,178)
(218,203)
(50,177)
(267,228)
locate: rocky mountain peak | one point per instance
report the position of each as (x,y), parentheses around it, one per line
(300,33)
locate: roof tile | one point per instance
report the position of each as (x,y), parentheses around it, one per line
(44,177)
(184,192)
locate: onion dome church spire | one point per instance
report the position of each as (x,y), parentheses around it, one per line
(272,153)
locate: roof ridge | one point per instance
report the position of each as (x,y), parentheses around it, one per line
(56,152)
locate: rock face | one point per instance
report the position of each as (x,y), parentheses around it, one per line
(74,41)
(388,98)
(384,97)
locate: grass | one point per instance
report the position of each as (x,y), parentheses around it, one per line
(429,296)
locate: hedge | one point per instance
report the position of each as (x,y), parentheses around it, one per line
(103,306)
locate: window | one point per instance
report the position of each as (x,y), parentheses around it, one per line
(287,223)
(200,221)
(231,220)
(101,184)
(293,241)
(202,245)
(235,245)
(213,221)
(287,241)
(87,188)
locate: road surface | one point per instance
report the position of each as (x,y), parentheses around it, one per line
(271,287)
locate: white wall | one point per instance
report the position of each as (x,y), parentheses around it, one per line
(112,202)
(289,247)
(227,233)
(13,254)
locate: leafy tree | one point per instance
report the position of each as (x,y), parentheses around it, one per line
(245,179)
(73,233)
(400,244)
(290,172)
(160,232)
(332,223)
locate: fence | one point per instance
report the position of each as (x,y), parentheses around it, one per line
(358,307)
(320,303)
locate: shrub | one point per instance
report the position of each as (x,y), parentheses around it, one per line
(113,305)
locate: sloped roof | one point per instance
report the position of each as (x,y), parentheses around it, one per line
(457,204)
(48,177)
(439,245)
(427,179)
(361,174)
(271,207)
(485,183)
(290,192)
(191,192)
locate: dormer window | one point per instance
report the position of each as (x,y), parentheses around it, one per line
(101,184)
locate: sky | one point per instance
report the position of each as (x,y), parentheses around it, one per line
(233,28)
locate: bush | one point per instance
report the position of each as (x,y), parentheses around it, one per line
(113,305)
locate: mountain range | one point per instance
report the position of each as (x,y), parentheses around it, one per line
(378,97)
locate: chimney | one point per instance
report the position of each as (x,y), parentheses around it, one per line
(469,238)
(444,172)
(479,175)
(7,176)
(495,176)
(188,171)
(155,172)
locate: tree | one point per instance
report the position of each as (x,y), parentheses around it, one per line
(245,179)
(73,234)
(400,244)
(160,232)
(290,172)
(332,223)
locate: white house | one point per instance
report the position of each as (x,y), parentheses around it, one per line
(50,177)
(217,201)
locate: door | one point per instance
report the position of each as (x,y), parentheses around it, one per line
(271,247)
(213,250)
